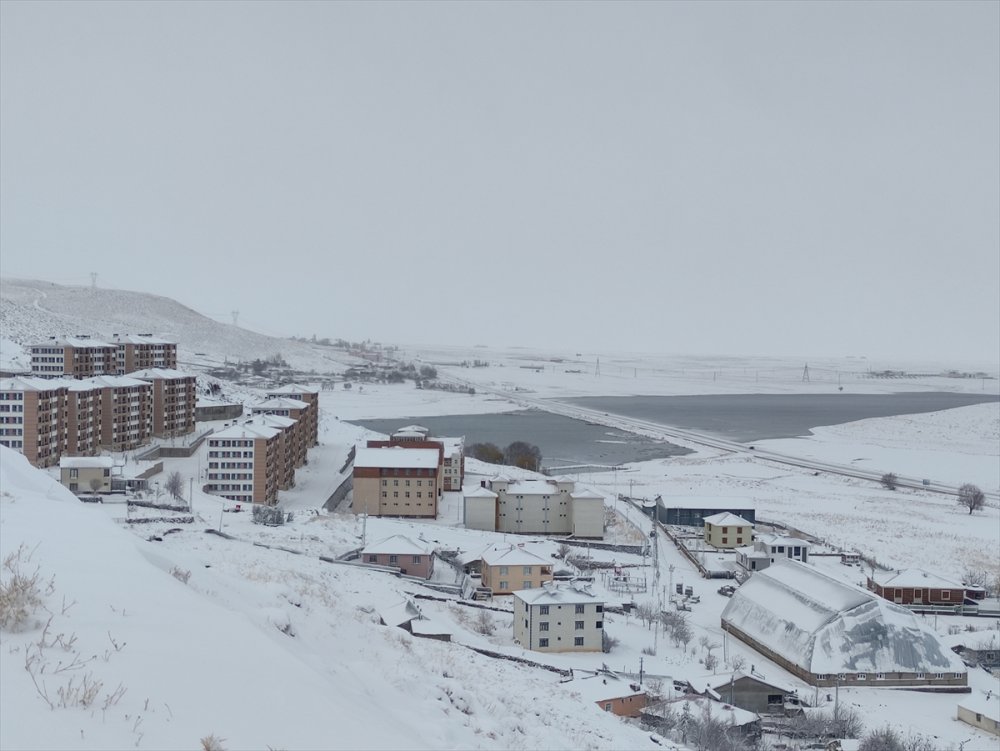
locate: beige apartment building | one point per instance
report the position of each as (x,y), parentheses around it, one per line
(76,357)
(291,449)
(244,464)
(126,412)
(310,416)
(143,352)
(83,424)
(509,568)
(174,397)
(300,414)
(559,617)
(452,452)
(551,506)
(396,482)
(33,414)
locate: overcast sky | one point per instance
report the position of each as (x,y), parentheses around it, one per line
(721,178)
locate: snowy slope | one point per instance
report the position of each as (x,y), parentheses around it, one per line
(32,311)
(258,647)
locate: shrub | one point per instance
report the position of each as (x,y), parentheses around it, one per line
(22,590)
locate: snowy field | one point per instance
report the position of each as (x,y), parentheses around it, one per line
(158,643)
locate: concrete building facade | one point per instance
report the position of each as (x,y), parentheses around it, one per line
(174,397)
(551,506)
(396,482)
(33,417)
(244,464)
(560,617)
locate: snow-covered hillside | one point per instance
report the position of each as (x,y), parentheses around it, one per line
(145,644)
(32,311)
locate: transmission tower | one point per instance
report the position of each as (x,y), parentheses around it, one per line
(236,317)
(93,279)
(805,373)
(597,370)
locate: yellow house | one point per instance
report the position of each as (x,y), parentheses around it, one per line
(509,568)
(727,530)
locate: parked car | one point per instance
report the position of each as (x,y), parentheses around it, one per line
(727,590)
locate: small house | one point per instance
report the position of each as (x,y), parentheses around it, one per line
(747,691)
(727,530)
(411,558)
(747,723)
(917,587)
(559,617)
(86,474)
(611,692)
(508,568)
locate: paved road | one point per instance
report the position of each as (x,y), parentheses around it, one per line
(678,435)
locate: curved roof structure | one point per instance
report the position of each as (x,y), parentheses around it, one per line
(825,626)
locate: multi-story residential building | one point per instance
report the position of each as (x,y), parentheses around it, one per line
(33,418)
(727,530)
(551,506)
(84,357)
(86,474)
(142,352)
(310,417)
(77,357)
(126,411)
(508,568)
(559,617)
(291,449)
(396,482)
(300,413)
(452,452)
(244,464)
(174,397)
(83,425)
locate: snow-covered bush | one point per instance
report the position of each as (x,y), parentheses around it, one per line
(22,590)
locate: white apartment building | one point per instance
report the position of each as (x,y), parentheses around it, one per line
(550,506)
(559,617)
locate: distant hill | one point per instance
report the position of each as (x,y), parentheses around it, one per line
(31,311)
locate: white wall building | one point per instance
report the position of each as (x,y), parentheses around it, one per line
(550,506)
(559,617)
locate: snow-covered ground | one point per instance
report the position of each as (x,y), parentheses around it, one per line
(263,647)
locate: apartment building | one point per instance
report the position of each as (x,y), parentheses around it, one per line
(300,413)
(291,449)
(310,417)
(84,357)
(452,452)
(126,411)
(33,418)
(83,424)
(559,617)
(244,464)
(174,397)
(142,352)
(76,357)
(551,506)
(394,481)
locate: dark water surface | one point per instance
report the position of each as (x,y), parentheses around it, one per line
(562,441)
(756,417)
(738,417)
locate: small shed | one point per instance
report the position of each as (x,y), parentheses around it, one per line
(410,557)
(981,710)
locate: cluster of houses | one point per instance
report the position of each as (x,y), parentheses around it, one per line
(85,396)
(406,475)
(252,459)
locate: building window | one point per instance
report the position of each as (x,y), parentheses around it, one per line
(600,608)
(393,559)
(543,642)
(579,625)
(504,585)
(372,558)
(822,677)
(580,608)
(862,677)
(543,626)
(526,585)
(725,540)
(543,610)
(607,706)
(946,594)
(578,641)
(74,473)
(920,676)
(880,676)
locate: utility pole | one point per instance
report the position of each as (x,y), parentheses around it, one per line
(191,495)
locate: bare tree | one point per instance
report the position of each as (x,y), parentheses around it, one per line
(174,484)
(889,480)
(523,455)
(95,484)
(971,497)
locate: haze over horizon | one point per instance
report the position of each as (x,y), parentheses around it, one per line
(718,178)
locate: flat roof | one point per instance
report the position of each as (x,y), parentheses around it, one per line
(396,457)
